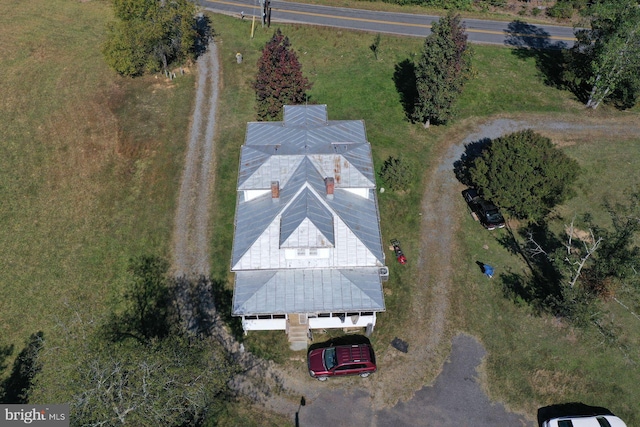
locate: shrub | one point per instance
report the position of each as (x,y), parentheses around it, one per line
(561,11)
(396,174)
(279,80)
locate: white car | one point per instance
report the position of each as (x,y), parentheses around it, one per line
(585,421)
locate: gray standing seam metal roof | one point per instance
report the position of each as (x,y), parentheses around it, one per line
(306,205)
(307,291)
(261,144)
(359,214)
(297,116)
(291,152)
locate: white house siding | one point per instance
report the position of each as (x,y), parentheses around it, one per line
(307,235)
(314,323)
(362,192)
(349,252)
(335,322)
(254,194)
(264,324)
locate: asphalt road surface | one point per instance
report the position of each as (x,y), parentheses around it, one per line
(516,33)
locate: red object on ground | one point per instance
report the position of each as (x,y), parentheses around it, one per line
(398,251)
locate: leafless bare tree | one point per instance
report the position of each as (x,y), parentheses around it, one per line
(589,248)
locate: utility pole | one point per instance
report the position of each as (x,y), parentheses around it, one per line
(265,12)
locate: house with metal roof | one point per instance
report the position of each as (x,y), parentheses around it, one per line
(307,249)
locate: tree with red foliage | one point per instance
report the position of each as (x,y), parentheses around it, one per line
(442,70)
(279,80)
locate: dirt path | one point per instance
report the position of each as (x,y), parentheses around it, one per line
(191,243)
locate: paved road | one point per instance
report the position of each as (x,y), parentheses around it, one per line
(407,24)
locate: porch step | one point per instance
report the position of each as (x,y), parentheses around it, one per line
(297,334)
(298,345)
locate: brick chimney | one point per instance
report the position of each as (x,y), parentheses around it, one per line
(275,190)
(329,183)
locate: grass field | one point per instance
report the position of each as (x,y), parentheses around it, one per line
(88,172)
(91,163)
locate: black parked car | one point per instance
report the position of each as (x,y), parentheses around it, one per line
(486,212)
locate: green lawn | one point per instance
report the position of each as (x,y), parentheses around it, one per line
(88,170)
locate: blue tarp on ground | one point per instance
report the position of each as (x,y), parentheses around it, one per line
(488,270)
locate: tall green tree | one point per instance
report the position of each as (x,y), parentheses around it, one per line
(618,258)
(149,35)
(442,71)
(525,174)
(606,57)
(396,173)
(279,80)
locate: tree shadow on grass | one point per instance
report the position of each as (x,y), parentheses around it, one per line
(204,34)
(223,299)
(404,77)
(148,311)
(531,41)
(541,288)
(17,387)
(472,151)
(5,352)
